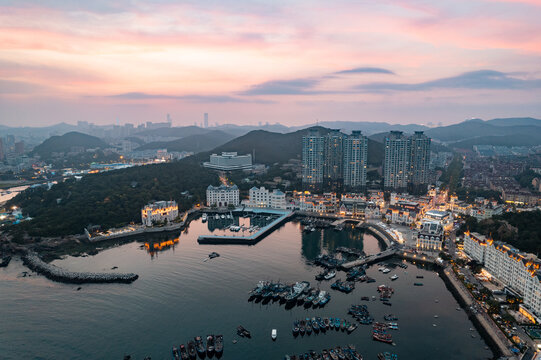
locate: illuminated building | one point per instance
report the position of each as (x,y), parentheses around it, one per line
(159,211)
(222,196)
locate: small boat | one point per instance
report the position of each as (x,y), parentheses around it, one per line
(420,277)
(199,345)
(204,217)
(418,284)
(183,353)
(213,255)
(175,353)
(210,344)
(394,277)
(386,271)
(330,275)
(295,328)
(435,316)
(191,349)
(222,216)
(387,303)
(274,334)
(242,332)
(219,344)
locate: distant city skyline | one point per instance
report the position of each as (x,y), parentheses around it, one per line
(271,61)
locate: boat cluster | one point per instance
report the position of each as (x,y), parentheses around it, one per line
(387,356)
(385,293)
(295,294)
(214,346)
(379,333)
(315,223)
(326,275)
(317,324)
(349,251)
(338,353)
(328,261)
(361,314)
(343,286)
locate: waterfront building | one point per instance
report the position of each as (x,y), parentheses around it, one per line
(355,160)
(261,197)
(516,270)
(223,195)
(396,162)
(443,217)
(313,146)
(430,235)
(326,203)
(333,171)
(229,161)
(159,211)
(419,163)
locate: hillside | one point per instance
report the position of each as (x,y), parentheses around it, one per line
(178,132)
(67,142)
(270,147)
(194,143)
(514,121)
(368,127)
(112,198)
(478,128)
(506,140)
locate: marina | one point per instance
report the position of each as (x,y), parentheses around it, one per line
(157,304)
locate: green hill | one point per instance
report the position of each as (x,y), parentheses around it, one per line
(195,143)
(179,132)
(68,142)
(112,198)
(507,140)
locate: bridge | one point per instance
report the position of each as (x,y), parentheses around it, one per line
(404,254)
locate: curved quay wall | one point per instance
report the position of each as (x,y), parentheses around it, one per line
(32,261)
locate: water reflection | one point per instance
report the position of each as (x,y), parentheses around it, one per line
(326,241)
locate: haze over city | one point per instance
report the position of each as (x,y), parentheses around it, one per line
(268,61)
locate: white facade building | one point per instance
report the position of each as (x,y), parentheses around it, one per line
(159,211)
(261,197)
(517,270)
(222,196)
(229,161)
(430,236)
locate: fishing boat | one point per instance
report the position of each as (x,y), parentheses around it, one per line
(191,350)
(242,332)
(183,353)
(420,277)
(386,271)
(330,275)
(387,303)
(295,328)
(199,345)
(274,334)
(365,298)
(308,326)
(210,344)
(394,277)
(204,217)
(418,284)
(175,353)
(315,324)
(387,356)
(219,344)
(213,255)
(302,327)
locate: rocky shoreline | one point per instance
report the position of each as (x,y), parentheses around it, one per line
(34,262)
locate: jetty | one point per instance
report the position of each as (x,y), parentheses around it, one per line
(55,273)
(252,238)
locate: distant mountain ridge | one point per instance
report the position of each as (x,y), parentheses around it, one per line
(65,143)
(195,143)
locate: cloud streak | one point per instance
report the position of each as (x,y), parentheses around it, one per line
(189,98)
(366,70)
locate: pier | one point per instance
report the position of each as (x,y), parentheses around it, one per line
(250,239)
(33,261)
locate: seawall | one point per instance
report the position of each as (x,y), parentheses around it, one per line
(34,262)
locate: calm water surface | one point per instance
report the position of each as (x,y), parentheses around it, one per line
(179,296)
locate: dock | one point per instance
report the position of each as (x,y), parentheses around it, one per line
(252,238)
(55,273)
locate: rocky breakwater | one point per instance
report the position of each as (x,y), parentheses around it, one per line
(55,273)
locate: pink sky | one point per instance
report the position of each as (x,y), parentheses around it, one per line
(271,61)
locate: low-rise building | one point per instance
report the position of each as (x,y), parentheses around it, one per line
(228,161)
(223,195)
(430,235)
(261,197)
(159,211)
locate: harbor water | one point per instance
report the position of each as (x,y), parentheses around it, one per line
(180,294)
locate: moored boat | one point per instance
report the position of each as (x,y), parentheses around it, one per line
(183,353)
(199,345)
(191,350)
(241,331)
(219,344)
(210,344)
(175,353)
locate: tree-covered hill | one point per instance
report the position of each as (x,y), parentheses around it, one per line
(195,143)
(67,143)
(112,198)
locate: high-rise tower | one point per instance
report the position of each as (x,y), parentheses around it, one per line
(396,164)
(419,162)
(333,173)
(355,160)
(312,158)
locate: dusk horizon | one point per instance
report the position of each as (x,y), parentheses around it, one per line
(396,62)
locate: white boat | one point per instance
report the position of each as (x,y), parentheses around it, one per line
(217,216)
(204,217)
(386,271)
(394,277)
(274,334)
(381,269)
(223,216)
(330,275)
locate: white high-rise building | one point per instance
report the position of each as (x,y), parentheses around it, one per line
(355,160)
(396,163)
(222,196)
(312,158)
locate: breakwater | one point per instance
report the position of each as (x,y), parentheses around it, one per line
(33,261)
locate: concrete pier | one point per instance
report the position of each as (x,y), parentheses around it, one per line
(33,261)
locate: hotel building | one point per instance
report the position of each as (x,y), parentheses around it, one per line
(159,211)
(222,196)
(229,161)
(261,197)
(430,236)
